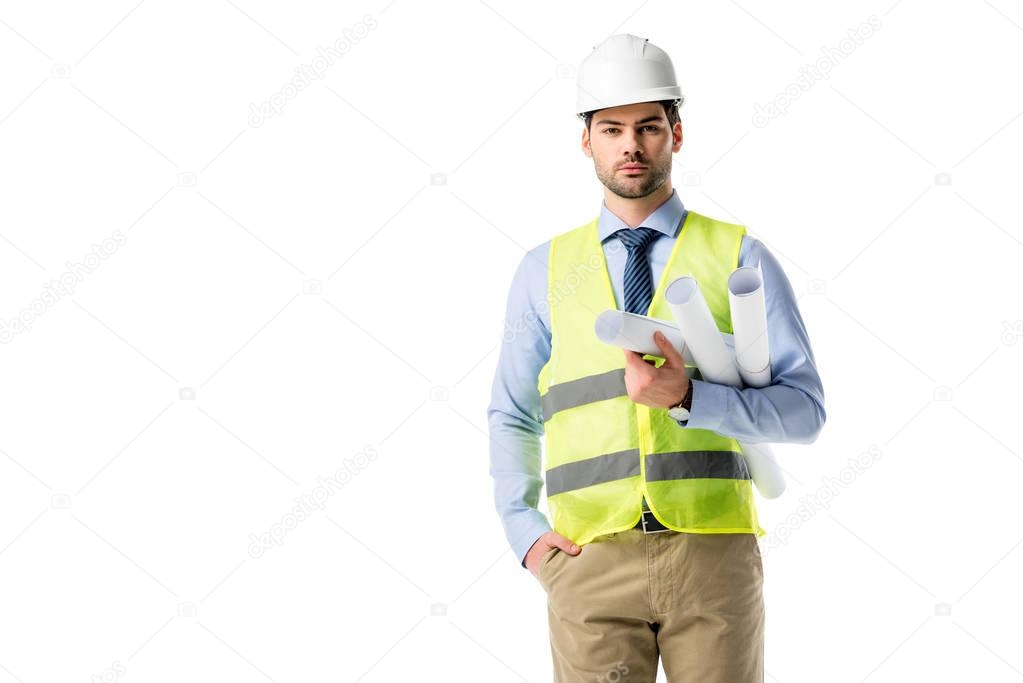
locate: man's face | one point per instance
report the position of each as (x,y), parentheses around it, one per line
(631,148)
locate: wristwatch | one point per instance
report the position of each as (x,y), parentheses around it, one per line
(681,411)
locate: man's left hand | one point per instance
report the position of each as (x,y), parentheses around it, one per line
(661,387)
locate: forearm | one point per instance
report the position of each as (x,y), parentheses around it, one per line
(515,468)
(777,413)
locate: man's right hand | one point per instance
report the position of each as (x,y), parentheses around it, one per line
(550,539)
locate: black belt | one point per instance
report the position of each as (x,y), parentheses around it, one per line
(650,524)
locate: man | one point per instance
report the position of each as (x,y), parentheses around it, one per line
(653,552)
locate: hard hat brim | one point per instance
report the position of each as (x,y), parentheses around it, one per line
(587,103)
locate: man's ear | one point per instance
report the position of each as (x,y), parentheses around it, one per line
(676,133)
(586,143)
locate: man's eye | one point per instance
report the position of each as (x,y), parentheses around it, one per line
(608,130)
(653,128)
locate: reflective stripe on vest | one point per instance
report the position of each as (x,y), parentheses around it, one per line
(659,467)
(595,470)
(605,453)
(583,390)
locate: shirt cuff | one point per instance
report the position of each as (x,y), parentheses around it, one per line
(524,532)
(710,402)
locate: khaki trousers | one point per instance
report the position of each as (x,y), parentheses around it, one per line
(695,600)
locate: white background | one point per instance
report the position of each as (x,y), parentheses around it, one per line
(917,291)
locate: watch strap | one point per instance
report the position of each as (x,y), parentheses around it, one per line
(687,400)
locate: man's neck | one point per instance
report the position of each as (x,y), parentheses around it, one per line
(633,211)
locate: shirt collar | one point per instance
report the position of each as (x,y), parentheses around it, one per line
(665,219)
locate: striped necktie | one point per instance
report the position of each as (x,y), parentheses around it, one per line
(639,283)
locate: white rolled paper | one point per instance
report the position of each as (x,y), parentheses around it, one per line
(748,308)
(702,336)
(717,364)
(636,333)
(749,322)
(763,469)
(757,379)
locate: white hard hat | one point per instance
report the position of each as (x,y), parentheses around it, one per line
(625,69)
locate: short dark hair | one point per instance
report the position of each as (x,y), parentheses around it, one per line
(670,111)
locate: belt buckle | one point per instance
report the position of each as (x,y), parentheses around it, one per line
(644,518)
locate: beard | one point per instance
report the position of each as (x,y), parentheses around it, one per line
(657,173)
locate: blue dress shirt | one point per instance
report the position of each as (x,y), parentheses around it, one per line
(790,409)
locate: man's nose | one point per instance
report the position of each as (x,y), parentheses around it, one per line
(630,143)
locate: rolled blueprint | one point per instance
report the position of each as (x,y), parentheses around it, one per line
(763,469)
(749,321)
(717,364)
(636,333)
(695,321)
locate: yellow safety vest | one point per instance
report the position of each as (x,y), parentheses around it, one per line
(603,451)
